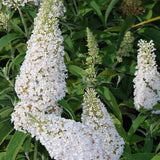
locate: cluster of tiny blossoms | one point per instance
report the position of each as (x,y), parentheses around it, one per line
(4,20)
(41,82)
(126,46)
(147,78)
(64,139)
(17,3)
(93,58)
(96,117)
(43,72)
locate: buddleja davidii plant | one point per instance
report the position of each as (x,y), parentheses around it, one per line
(41,84)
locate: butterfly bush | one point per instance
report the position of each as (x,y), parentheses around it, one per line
(147,78)
(96,116)
(41,84)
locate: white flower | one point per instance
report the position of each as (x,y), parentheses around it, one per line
(43,72)
(96,117)
(64,139)
(147,78)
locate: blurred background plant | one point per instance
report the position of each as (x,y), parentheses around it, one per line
(110,21)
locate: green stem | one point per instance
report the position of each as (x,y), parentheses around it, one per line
(35,150)
(76,9)
(24,23)
(147,21)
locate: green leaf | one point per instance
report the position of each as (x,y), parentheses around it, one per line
(110,100)
(6,129)
(2,155)
(119,127)
(27,143)
(108,74)
(18,60)
(77,71)
(109,9)
(21,47)
(68,108)
(69,44)
(6,102)
(4,112)
(146,156)
(156,157)
(8,38)
(14,145)
(136,139)
(136,123)
(158,148)
(139,156)
(96,8)
(148,146)
(16,28)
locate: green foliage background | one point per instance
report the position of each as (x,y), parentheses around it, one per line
(140,130)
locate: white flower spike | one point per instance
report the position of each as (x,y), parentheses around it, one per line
(147,78)
(96,117)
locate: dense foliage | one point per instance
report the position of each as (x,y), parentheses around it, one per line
(117,26)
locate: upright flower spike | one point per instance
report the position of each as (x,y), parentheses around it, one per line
(96,117)
(147,78)
(126,46)
(41,82)
(43,72)
(93,58)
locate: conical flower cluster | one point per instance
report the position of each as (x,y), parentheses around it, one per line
(126,46)
(96,117)
(147,78)
(93,58)
(43,72)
